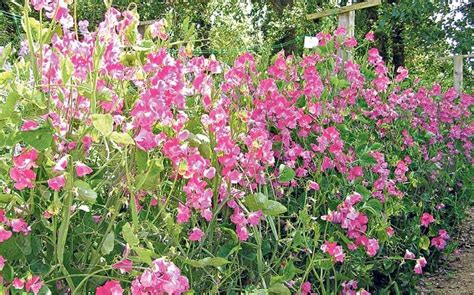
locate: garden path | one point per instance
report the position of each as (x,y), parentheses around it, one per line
(457,278)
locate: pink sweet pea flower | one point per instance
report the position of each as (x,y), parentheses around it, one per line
(57,182)
(340,31)
(210,173)
(390,231)
(370,36)
(4,234)
(420,263)
(2,262)
(443,234)
(82,169)
(110,288)
(334,250)
(196,234)
(438,242)
(409,255)
(426,219)
(305,288)
(355,172)
(19,225)
(29,125)
(61,164)
(183,214)
(124,266)
(242,232)
(34,284)
(254,217)
(313,185)
(18,283)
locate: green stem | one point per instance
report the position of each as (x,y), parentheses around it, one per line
(63,230)
(133,206)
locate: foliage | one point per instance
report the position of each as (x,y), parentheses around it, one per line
(129,164)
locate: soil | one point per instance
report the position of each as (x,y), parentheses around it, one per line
(457,276)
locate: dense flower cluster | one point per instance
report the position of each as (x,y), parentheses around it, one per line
(180,156)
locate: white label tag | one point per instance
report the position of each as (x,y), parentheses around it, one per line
(310,42)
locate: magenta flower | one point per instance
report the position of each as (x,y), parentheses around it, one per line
(334,250)
(163,277)
(183,214)
(4,234)
(61,164)
(196,234)
(124,265)
(18,283)
(57,182)
(370,36)
(82,169)
(110,288)
(29,125)
(22,172)
(354,173)
(2,262)
(409,255)
(420,263)
(34,284)
(426,219)
(313,185)
(19,225)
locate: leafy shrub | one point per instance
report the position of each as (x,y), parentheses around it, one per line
(128,166)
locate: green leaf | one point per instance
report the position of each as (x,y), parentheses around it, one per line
(67,68)
(374,204)
(279,289)
(40,138)
(108,244)
(128,235)
(143,255)
(367,160)
(208,261)
(286,174)
(424,243)
(255,202)
(103,123)
(6,109)
(323,263)
(365,193)
(84,191)
(121,138)
(274,208)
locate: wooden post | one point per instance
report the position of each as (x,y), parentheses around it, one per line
(346,18)
(458,72)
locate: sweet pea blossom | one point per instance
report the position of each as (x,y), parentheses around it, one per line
(196,234)
(34,284)
(110,288)
(124,266)
(22,172)
(162,277)
(82,169)
(18,283)
(61,164)
(370,36)
(57,182)
(420,263)
(183,214)
(426,219)
(4,234)
(2,262)
(20,226)
(334,250)
(409,254)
